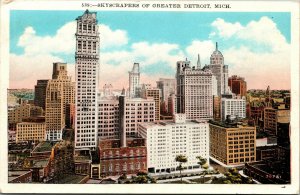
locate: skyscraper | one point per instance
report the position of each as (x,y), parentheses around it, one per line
(194,91)
(219,70)
(134,81)
(60,92)
(87,76)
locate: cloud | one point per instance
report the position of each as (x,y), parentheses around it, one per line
(261,53)
(156,60)
(225,29)
(26,70)
(269,65)
(63,42)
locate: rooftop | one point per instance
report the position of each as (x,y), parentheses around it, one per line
(71,179)
(44,147)
(14,174)
(228,124)
(171,122)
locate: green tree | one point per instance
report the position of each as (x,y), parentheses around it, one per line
(202,162)
(181,159)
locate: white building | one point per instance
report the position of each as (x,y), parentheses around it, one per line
(166,140)
(233,107)
(87,77)
(134,81)
(194,93)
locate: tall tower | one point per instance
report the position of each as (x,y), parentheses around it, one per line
(219,70)
(134,80)
(87,77)
(60,92)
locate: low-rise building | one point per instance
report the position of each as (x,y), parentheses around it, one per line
(116,159)
(273,116)
(168,139)
(31,131)
(232,143)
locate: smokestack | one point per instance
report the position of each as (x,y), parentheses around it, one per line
(122,130)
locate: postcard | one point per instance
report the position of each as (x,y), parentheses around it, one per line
(114,96)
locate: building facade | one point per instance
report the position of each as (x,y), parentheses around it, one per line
(60,92)
(40,93)
(108,118)
(273,116)
(233,107)
(166,140)
(155,94)
(134,111)
(194,91)
(23,111)
(238,85)
(232,144)
(87,78)
(31,131)
(134,81)
(117,160)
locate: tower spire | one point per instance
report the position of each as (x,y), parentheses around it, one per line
(216,46)
(198,62)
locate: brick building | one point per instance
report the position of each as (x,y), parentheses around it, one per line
(273,116)
(116,160)
(238,85)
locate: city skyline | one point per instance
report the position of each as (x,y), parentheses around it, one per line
(244,42)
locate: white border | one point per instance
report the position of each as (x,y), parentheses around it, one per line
(248,6)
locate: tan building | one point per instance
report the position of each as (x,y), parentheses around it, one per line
(31,131)
(232,144)
(60,92)
(155,93)
(23,111)
(273,116)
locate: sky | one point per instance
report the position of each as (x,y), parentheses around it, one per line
(255,45)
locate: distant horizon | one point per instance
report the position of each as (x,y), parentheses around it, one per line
(44,37)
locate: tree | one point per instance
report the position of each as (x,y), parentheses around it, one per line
(202,162)
(181,159)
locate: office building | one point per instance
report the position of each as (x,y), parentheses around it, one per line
(87,78)
(23,111)
(155,94)
(134,81)
(31,131)
(233,107)
(60,92)
(237,85)
(134,111)
(232,143)
(108,118)
(194,91)
(274,116)
(168,139)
